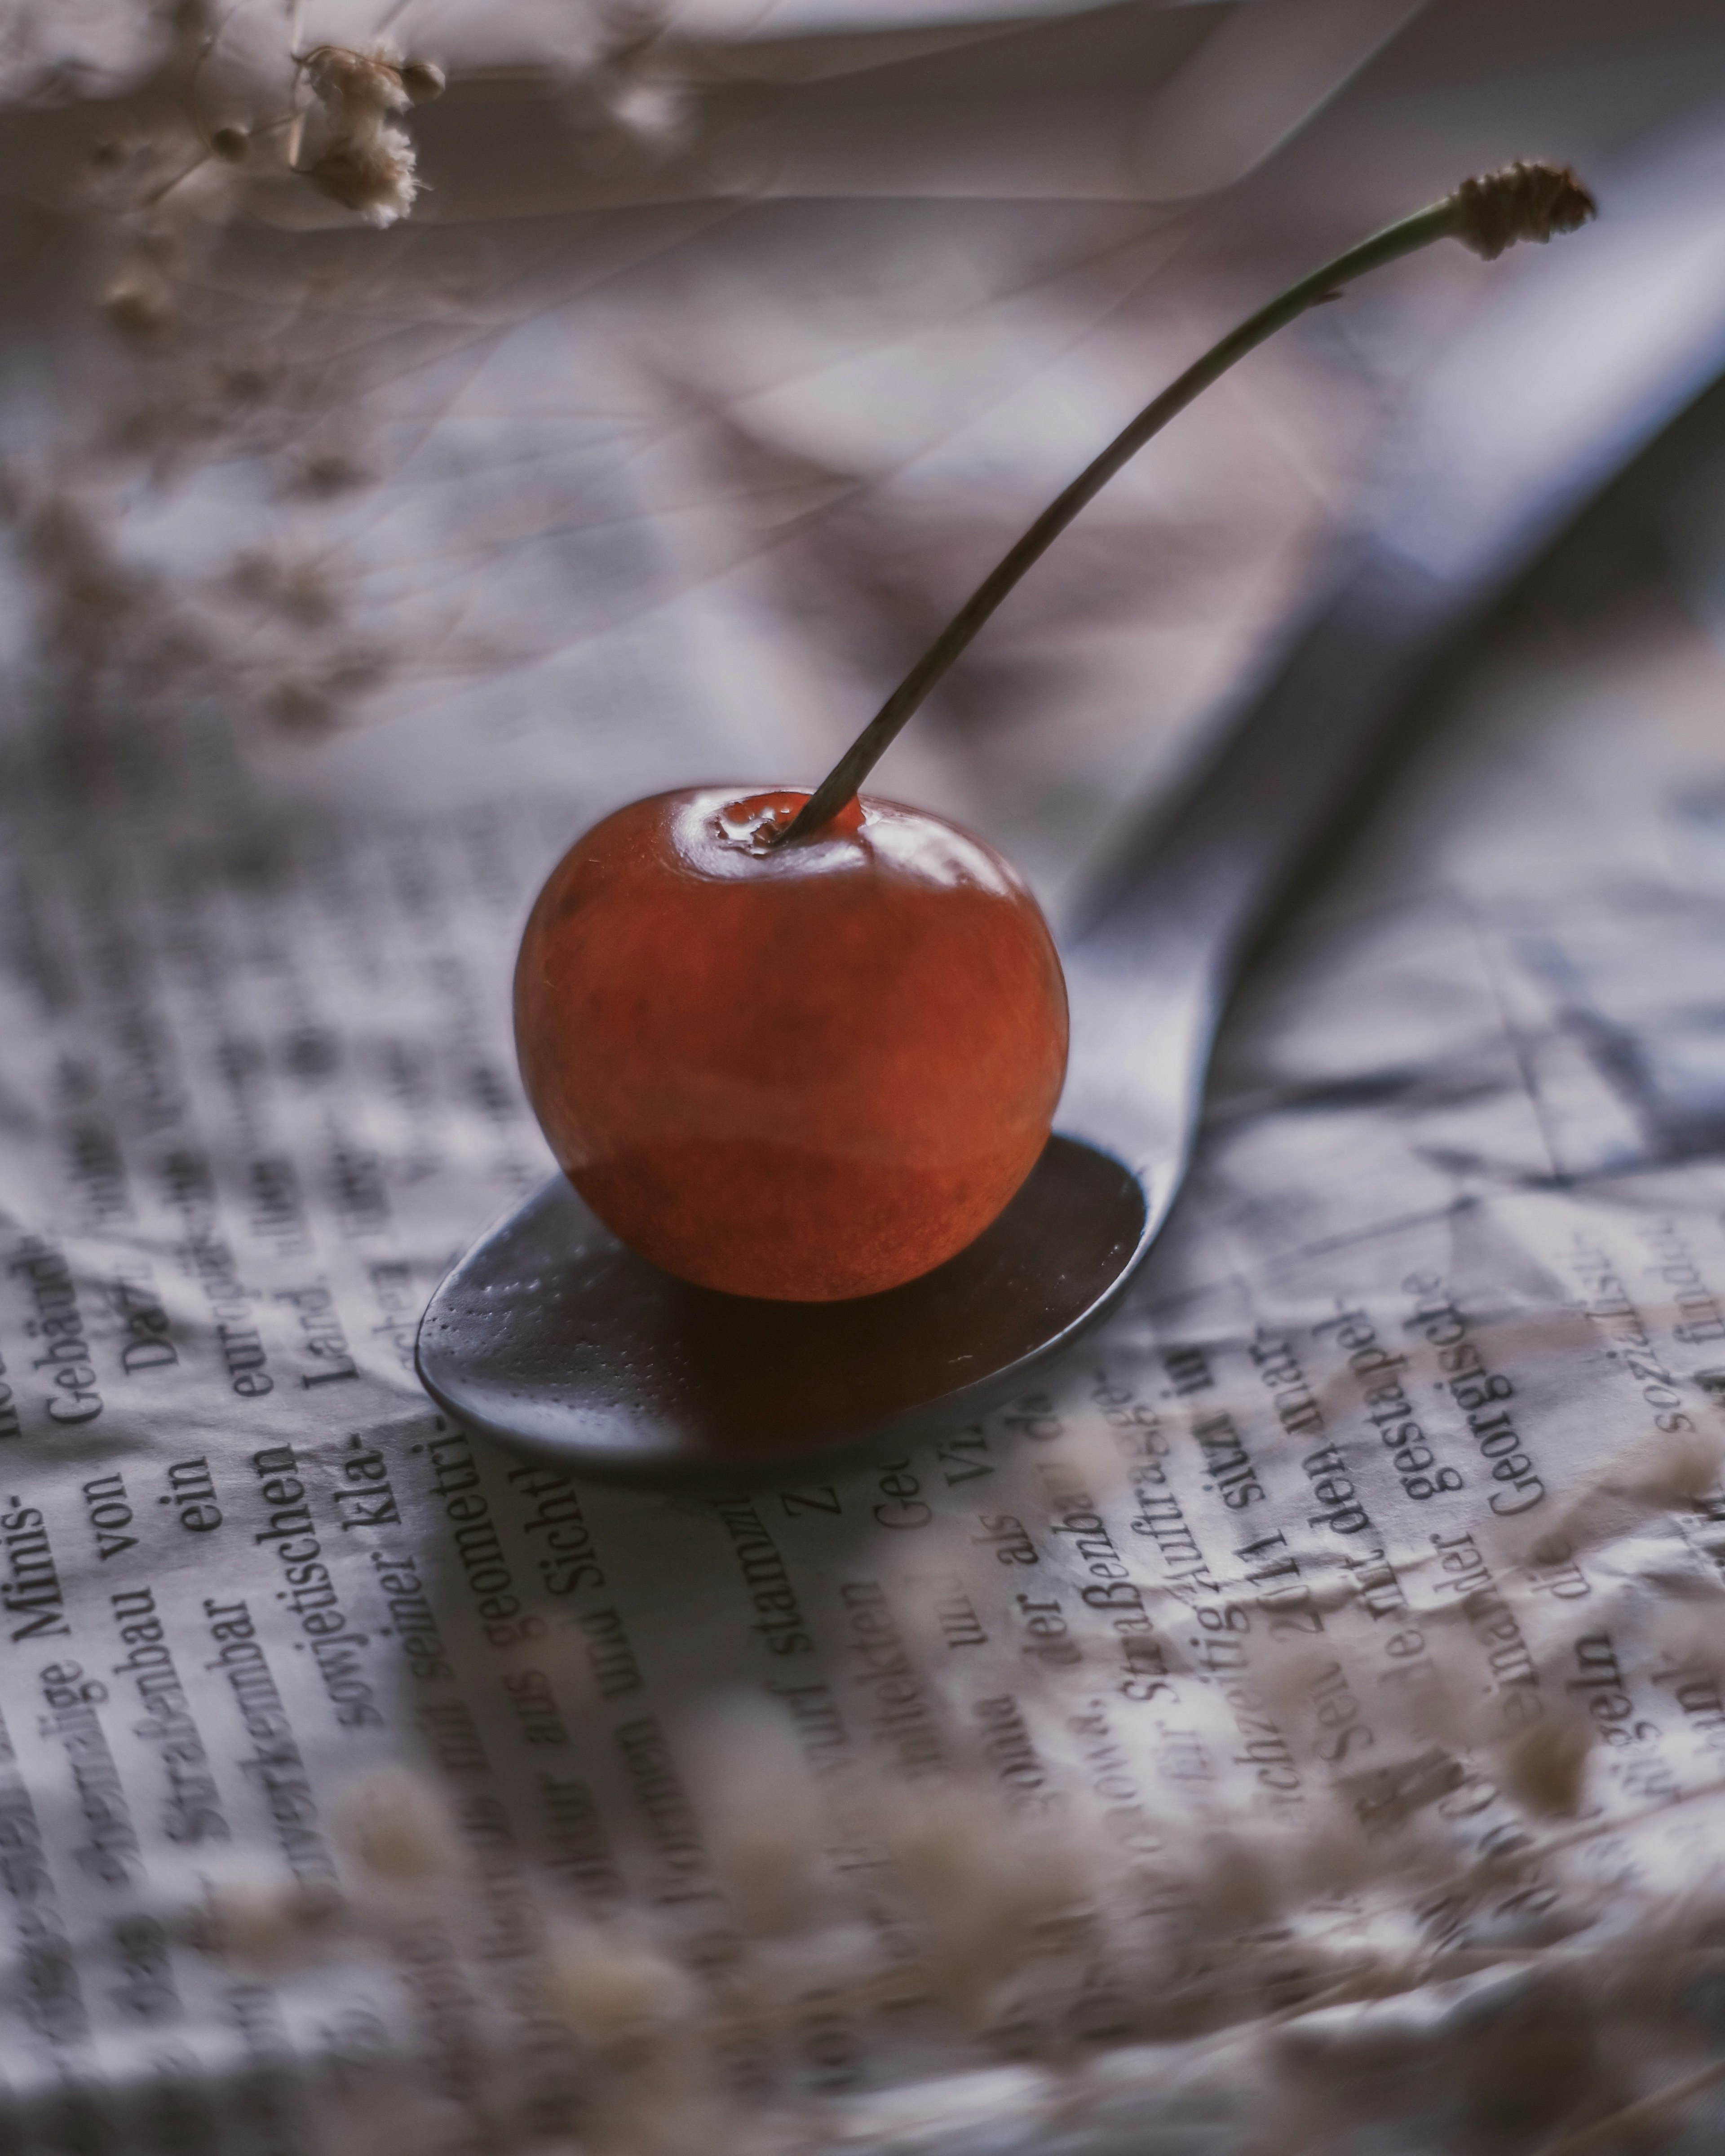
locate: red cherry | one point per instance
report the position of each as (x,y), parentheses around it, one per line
(802,1072)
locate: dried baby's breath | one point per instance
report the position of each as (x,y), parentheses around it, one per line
(353,148)
(626,99)
(401,1831)
(253,1913)
(613,1987)
(163,198)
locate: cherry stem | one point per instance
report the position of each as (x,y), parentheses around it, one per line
(1523,201)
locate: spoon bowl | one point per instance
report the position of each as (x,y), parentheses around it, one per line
(550,1337)
(556,1339)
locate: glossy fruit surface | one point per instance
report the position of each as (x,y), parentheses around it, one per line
(803,1072)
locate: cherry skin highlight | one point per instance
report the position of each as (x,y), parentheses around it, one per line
(805,1071)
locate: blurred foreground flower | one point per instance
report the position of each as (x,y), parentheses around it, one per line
(183,152)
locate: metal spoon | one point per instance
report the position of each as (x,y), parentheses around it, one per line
(552,1337)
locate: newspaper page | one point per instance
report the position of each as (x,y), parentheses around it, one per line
(1297,1723)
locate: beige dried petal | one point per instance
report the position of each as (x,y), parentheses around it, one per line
(982,1885)
(611,1987)
(1681,1468)
(259,1916)
(761,1814)
(359,157)
(299,706)
(354,83)
(374,177)
(402,1830)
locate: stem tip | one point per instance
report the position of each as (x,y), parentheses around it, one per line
(1522,201)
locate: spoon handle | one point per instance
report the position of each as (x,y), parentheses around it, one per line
(1603,344)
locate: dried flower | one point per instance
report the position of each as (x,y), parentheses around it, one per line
(139,302)
(330,468)
(363,159)
(401,1831)
(1546,1768)
(298,591)
(1678,1472)
(422,81)
(162,194)
(1522,201)
(613,1987)
(623,98)
(656,114)
(299,706)
(258,1915)
(981,1885)
(764,1824)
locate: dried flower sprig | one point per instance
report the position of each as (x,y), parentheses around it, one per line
(361,158)
(169,177)
(1488,213)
